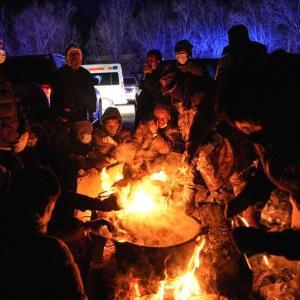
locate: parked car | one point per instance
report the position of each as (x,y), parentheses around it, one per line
(131,87)
(32,76)
(109,84)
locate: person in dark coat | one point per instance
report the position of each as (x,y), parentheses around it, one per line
(240,51)
(26,246)
(260,102)
(184,61)
(14,125)
(150,86)
(73,94)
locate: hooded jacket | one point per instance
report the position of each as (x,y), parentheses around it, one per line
(100,133)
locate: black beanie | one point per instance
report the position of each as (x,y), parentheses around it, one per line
(183,45)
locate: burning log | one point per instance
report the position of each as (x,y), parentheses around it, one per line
(224,270)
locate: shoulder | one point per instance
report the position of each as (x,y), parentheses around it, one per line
(63,69)
(259,47)
(57,249)
(84,71)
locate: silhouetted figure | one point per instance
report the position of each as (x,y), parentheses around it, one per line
(260,102)
(240,51)
(35,265)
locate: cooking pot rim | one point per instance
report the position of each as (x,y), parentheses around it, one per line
(200,232)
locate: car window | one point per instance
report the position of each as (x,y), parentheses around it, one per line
(107,78)
(129,80)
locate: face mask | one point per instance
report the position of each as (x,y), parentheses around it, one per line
(87,138)
(2,56)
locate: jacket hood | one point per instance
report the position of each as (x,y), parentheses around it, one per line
(111,113)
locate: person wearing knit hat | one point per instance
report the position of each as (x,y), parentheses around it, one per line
(183,51)
(73,94)
(73,56)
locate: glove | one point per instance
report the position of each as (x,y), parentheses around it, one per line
(20,144)
(98,223)
(110,203)
(249,239)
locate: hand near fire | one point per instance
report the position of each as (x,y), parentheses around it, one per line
(110,140)
(110,203)
(153,127)
(249,239)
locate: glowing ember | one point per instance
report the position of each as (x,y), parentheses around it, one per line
(244,221)
(159,176)
(266,261)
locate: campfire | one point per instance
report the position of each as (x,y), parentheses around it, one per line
(157,246)
(184,287)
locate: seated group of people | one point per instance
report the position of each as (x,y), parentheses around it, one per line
(238,135)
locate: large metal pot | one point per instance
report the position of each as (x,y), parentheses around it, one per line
(153,260)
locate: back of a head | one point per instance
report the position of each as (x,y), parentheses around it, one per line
(32,189)
(238,34)
(265,92)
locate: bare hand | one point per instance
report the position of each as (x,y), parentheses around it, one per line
(110,140)
(153,126)
(147,69)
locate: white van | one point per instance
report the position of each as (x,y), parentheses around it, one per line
(109,84)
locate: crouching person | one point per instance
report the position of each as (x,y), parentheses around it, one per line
(109,133)
(27,246)
(154,139)
(82,152)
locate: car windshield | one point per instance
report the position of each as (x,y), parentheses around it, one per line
(106,78)
(129,80)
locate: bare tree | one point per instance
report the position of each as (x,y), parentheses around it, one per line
(276,23)
(43,29)
(111,29)
(150,29)
(4,24)
(185,21)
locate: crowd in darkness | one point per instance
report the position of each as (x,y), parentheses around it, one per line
(237,134)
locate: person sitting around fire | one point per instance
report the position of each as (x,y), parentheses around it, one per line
(260,102)
(155,138)
(109,134)
(82,151)
(26,245)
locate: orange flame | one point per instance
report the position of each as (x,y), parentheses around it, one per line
(145,196)
(185,287)
(108,179)
(159,176)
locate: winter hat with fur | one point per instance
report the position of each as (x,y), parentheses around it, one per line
(73,48)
